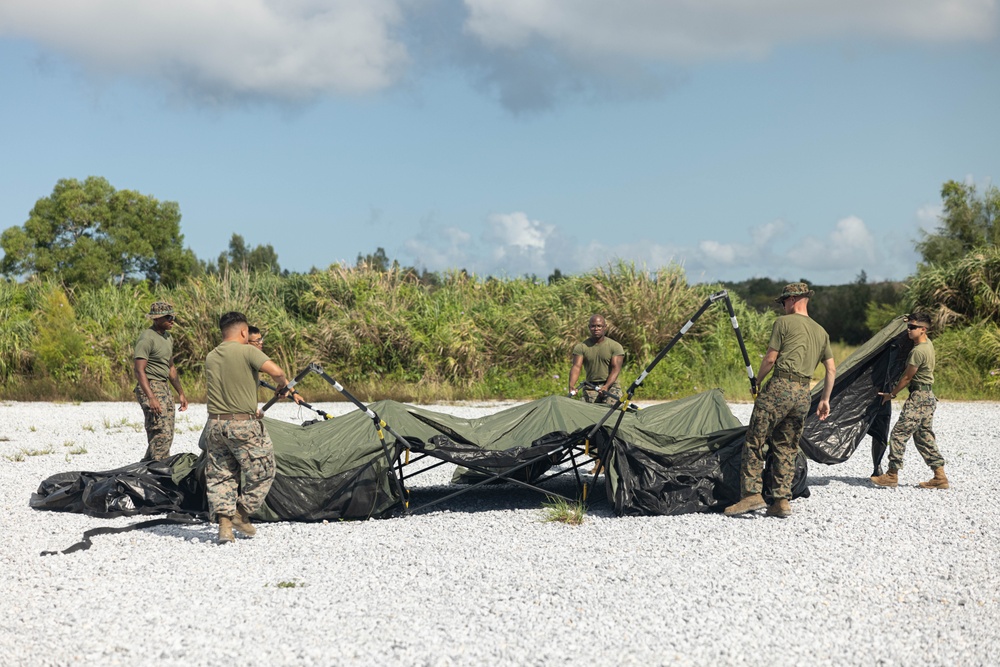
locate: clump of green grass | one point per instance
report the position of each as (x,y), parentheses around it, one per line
(563,511)
(32,429)
(78,450)
(37,452)
(16,456)
(290,584)
(68,443)
(88,427)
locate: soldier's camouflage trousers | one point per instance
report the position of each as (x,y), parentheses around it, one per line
(613,394)
(916,419)
(236,447)
(159,427)
(779,415)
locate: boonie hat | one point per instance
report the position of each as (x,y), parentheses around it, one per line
(794,289)
(160,309)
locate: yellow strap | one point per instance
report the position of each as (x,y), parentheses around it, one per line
(584,491)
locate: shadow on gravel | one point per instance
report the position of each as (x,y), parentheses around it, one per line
(500,497)
(850,481)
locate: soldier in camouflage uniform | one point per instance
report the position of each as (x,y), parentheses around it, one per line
(153,361)
(917,418)
(798,344)
(236,442)
(601,360)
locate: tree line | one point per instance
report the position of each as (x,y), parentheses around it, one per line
(102,254)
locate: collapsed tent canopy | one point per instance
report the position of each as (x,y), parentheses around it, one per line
(672,458)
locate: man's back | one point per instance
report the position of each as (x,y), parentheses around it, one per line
(231,378)
(802,344)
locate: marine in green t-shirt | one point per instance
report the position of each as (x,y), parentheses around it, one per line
(600,359)
(917,417)
(153,362)
(798,344)
(237,445)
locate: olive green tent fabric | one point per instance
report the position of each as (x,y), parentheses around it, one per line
(338,469)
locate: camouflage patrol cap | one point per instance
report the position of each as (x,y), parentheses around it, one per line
(794,289)
(160,309)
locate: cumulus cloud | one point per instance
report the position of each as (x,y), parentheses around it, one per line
(515,244)
(693,30)
(224,49)
(528,53)
(596,47)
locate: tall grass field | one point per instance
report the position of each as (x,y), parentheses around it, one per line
(385,334)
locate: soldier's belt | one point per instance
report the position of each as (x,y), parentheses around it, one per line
(233,416)
(917,386)
(782,375)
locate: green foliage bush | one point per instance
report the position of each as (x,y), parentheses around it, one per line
(393,333)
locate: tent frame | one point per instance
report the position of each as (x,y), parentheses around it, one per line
(576,450)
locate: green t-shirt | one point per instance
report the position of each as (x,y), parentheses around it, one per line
(922,356)
(597,357)
(158,351)
(801,344)
(231,377)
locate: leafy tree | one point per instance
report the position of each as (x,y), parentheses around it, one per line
(239,257)
(377,261)
(968,222)
(88,234)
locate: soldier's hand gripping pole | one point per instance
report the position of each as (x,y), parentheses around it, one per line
(288,389)
(743,347)
(291,392)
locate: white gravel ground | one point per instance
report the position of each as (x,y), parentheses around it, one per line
(858,575)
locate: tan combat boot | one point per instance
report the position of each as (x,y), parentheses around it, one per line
(780,508)
(939,481)
(747,504)
(226,529)
(241,522)
(890,478)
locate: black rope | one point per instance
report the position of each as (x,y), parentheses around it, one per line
(84,544)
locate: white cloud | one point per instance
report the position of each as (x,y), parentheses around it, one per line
(929,217)
(848,245)
(529,53)
(224,49)
(696,30)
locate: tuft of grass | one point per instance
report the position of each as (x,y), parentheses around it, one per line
(32,429)
(290,584)
(68,443)
(88,427)
(37,452)
(16,456)
(78,450)
(563,511)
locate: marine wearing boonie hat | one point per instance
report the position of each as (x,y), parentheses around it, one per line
(160,309)
(794,289)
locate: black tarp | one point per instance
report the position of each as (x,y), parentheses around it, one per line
(702,473)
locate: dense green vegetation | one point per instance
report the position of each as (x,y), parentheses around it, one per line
(380,332)
(67,327)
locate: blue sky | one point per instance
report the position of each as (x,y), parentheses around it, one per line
(788,139)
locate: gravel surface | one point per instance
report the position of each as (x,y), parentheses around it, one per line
(858,575)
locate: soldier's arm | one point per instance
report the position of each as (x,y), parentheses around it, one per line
(823,409)
(908,374)
(766,364)
(140,375)
(574,373)
(616,368)
(175,380)
(278,375)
